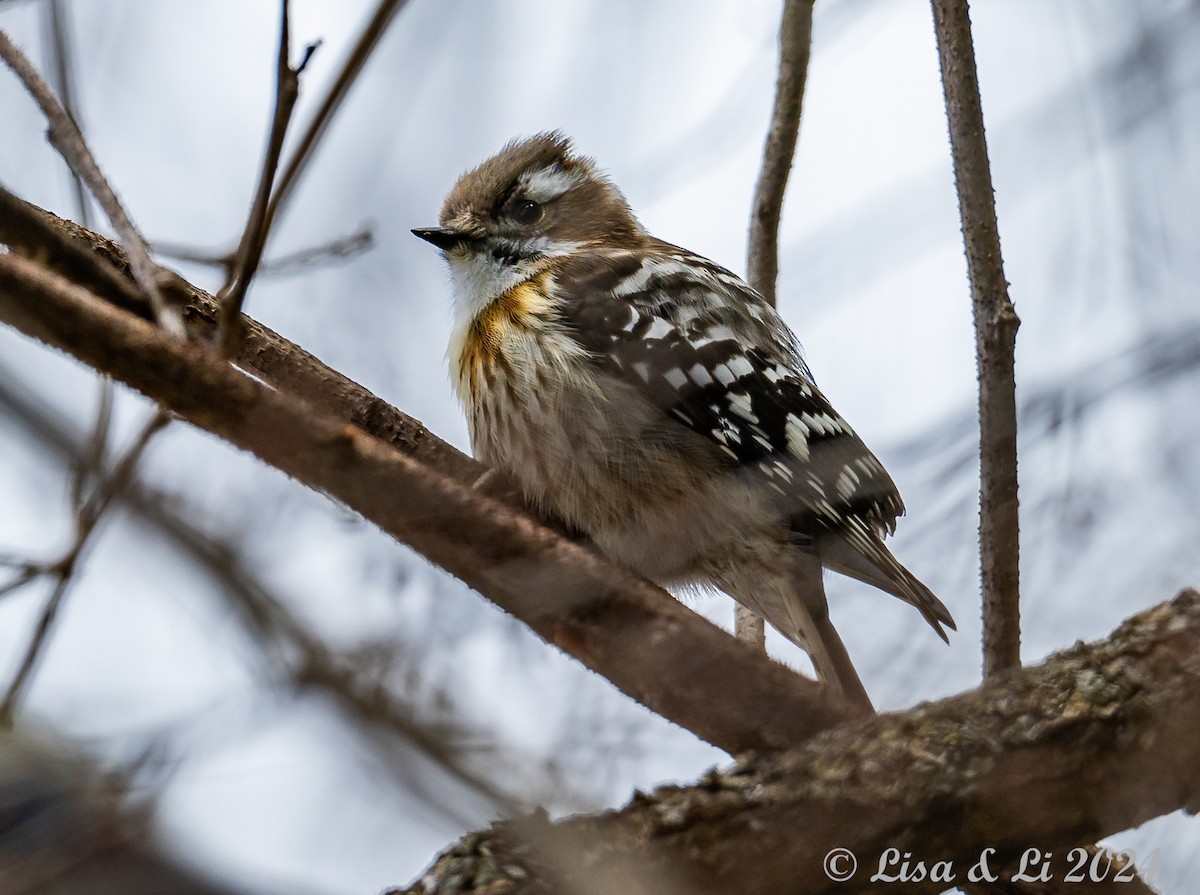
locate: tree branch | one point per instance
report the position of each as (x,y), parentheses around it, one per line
(795,45)
(100,266)
(367,41)
(996,325)
(258,226)
(646,643)
(295,651)
(63,569)
(65,137)
(1098,739)
(762,257)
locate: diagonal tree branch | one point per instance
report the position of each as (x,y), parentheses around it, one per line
(1098,739)
(65,137)
(302,657)
(99,265)
(996,325)
(63,569)
(646,643)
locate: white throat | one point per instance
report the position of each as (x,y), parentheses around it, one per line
(479,278)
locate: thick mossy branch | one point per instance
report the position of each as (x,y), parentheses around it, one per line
(1097,739)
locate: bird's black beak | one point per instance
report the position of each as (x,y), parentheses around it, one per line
(445,238)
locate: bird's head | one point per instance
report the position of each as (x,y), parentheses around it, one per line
(533,201)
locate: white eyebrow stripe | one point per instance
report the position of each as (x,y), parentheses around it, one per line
(547,184)
(544,245)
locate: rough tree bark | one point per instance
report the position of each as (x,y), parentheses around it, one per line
(996,325)
(1098,739)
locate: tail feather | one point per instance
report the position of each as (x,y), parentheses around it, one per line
(829,657)
(790,594)
(805,620)
(860,553)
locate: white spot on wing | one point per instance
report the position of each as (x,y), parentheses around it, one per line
(676,378)
(847,482)
(659,328)
(740,366)
(740,404)
(797,436)
(635,282)
(718,333)
(822,423)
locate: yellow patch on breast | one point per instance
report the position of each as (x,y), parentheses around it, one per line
(512,314)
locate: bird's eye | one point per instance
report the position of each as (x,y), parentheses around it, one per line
(526,211)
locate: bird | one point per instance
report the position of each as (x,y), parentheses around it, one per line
(658,404)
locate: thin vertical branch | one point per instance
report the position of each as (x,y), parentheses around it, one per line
(384,13)
(254,236)
(762,262)
(795,44)
(996,325)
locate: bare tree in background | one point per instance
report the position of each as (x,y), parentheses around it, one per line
(1041,756)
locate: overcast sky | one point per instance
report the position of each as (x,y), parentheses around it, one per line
(1094,121)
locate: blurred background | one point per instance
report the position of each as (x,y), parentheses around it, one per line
(1094,129)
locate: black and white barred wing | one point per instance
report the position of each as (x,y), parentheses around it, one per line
(713,356)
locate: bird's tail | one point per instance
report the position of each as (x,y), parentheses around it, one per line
(857,551)
(824,646)
(788,591)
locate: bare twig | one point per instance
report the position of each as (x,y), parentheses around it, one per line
(59,51)
(310,665)
(795,44)
(996,325)
(748,625)
(650,646)
(254,236)
(63,569)
(26,572)
(762,262)
(341,249)
(90,464)
(294,170)
(65,137)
